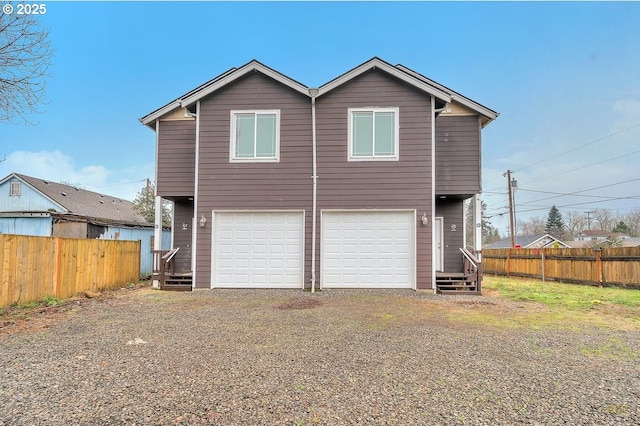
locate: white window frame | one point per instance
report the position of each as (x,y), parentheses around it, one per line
(373,156)
(14,189)
(254,159)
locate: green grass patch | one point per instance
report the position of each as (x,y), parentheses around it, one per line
(21,311)
(614,349)
(544,305)
(554,294)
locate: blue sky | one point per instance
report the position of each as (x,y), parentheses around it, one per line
(565,78)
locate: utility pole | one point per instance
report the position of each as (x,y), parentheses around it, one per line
(589,219)
(511,225)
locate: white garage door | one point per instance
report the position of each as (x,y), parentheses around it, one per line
(368,249)
(258,250)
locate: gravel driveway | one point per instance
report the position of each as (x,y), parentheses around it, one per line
(330,358)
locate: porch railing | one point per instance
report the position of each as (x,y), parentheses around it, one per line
(163,264)
(473,267)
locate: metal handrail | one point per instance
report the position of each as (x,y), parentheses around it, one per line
(470,257)
(168,257)
(170,254)
(477,267)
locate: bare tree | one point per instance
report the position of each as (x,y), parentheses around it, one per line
(575,222)
(533,226)
(604,219)
(633,220)
(25,58)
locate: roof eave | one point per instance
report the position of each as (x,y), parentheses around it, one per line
(488,113)
(150,119)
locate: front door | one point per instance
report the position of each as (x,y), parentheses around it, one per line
(439,246)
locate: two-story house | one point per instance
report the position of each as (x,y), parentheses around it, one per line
(358,183)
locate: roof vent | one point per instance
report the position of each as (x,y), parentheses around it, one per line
(64,194)
(101,202)
(46,181)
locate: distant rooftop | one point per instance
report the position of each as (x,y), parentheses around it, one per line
(82,202)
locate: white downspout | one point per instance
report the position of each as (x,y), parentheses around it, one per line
(477,226)
(157,227)
(314,94)
(194,226)
(433,193)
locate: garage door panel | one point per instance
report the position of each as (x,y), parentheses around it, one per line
(368,249)
(258,249)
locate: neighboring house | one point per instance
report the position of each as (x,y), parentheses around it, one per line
(529,241)
(595,235)
(614,240)
(358,183)
(38,207)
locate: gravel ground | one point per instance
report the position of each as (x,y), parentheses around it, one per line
(293,358)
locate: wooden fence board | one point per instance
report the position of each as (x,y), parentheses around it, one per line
(612,266)
(34,267)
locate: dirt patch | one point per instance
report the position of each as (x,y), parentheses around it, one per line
(19,319)
(299,304)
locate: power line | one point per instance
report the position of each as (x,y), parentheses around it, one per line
(572,150)
(577,192)
(584,167)
(580,146)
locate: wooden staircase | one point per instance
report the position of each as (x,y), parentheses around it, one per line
(177,282)
(455,282)
(164,272)
(467,282)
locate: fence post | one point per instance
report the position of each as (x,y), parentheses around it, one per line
(508,271)
(57,268)
(598,266)
(542,252)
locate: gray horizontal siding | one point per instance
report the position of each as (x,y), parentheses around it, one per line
(458,155)
(452,212)
(222,185)
(182,213)
(176,158)
(403,184)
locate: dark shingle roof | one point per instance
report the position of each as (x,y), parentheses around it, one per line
(86,203)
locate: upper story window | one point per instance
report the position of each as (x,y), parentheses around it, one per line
(373,134)
(14,190)
(255,136)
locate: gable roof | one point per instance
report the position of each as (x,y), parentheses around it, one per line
(377,63)
(527,241)
(219,82)
(81,202)
(400,72)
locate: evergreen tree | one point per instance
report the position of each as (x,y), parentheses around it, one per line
(555,224)
(490,234)
(623,228)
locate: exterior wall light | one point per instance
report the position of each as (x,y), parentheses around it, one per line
(203,221)
(425,219)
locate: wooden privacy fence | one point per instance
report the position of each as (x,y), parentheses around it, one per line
(34,267)
(609,266)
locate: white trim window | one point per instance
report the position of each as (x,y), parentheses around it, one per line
(373,134)
(255,136)
(14,189)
